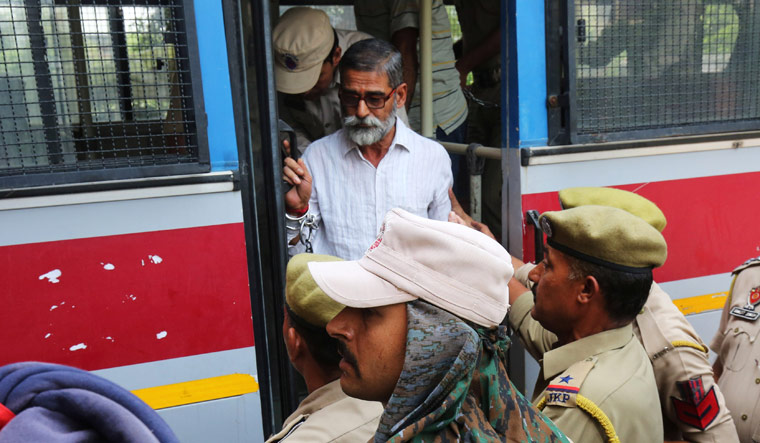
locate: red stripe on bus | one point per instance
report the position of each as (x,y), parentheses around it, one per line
(111,301)
(712,222)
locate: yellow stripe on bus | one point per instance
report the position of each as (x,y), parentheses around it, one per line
(701,303)
(197,391)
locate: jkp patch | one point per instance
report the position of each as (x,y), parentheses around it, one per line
(563,390)
(558,395)
(697,408)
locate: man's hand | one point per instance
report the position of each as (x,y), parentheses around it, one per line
(296,174)
(285,148)
(458,215)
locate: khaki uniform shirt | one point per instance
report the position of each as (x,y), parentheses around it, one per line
(738,348)
(329,415)
(671,344)
(610,369)
(382,18)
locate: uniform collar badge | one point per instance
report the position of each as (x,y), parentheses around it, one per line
(748,312)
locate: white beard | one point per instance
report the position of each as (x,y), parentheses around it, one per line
(372,130)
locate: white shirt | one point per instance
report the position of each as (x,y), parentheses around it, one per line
(351,196)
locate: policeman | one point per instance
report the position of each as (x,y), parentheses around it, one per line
(678,356)
(736,342)
(326,414)
(596,382)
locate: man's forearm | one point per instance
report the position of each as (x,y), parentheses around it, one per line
(405,40)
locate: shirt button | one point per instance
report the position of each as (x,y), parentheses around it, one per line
(757,381)
(736,329)
(744,417)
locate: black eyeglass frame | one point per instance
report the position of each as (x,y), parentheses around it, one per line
(367,99)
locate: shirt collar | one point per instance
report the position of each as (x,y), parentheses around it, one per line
(319,399)
(401,138)
(557,360)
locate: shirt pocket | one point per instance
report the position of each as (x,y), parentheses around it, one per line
(736,349)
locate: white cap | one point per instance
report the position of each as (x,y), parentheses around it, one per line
(448,265)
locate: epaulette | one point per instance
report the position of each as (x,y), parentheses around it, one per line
(564,390)
(747,264)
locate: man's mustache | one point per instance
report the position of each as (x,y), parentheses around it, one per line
(368,120)
(348,357)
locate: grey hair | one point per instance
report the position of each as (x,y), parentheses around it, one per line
(374,55)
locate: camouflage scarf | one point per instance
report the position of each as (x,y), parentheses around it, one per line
(454,386)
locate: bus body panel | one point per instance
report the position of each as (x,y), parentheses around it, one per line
(149,287)
(711,229)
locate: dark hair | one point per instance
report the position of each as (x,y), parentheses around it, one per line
(624,292)
(322,347)
(374,55)
(334,47)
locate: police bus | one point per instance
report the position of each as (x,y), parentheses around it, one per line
(142,218)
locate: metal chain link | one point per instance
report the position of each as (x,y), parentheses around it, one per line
(311,223)
(483,103)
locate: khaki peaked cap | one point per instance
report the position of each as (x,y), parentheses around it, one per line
(617,198)
(606,236)
(301,41)
(303,295)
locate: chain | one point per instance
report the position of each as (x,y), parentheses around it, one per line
(483,103)
(307,224)
(306,229)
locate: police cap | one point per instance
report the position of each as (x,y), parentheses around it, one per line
(302,294)
(617,198)
(606,236)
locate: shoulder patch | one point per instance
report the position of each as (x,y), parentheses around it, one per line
(747,264)
(697,408)
(563,389)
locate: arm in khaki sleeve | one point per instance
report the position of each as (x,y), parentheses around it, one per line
(717,341)
(677,367)
(522,270)
(536,339)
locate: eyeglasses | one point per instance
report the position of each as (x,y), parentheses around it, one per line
(372,101)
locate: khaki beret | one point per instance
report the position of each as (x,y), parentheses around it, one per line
(606,236)
(617,198)
(302,294)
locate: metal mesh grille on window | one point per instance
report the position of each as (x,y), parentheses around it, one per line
(93,84)
(652,64)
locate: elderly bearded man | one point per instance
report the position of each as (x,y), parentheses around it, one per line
(350,179)
(421,333)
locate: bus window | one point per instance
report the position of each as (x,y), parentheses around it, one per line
(97,87)
(649,68)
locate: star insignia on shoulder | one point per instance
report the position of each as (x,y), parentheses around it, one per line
(565,379)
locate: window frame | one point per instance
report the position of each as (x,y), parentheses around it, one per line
(562,99)
(132,168)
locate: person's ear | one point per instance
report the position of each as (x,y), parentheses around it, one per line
(401,91)
(293,343)
(336,56)
(589,290)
